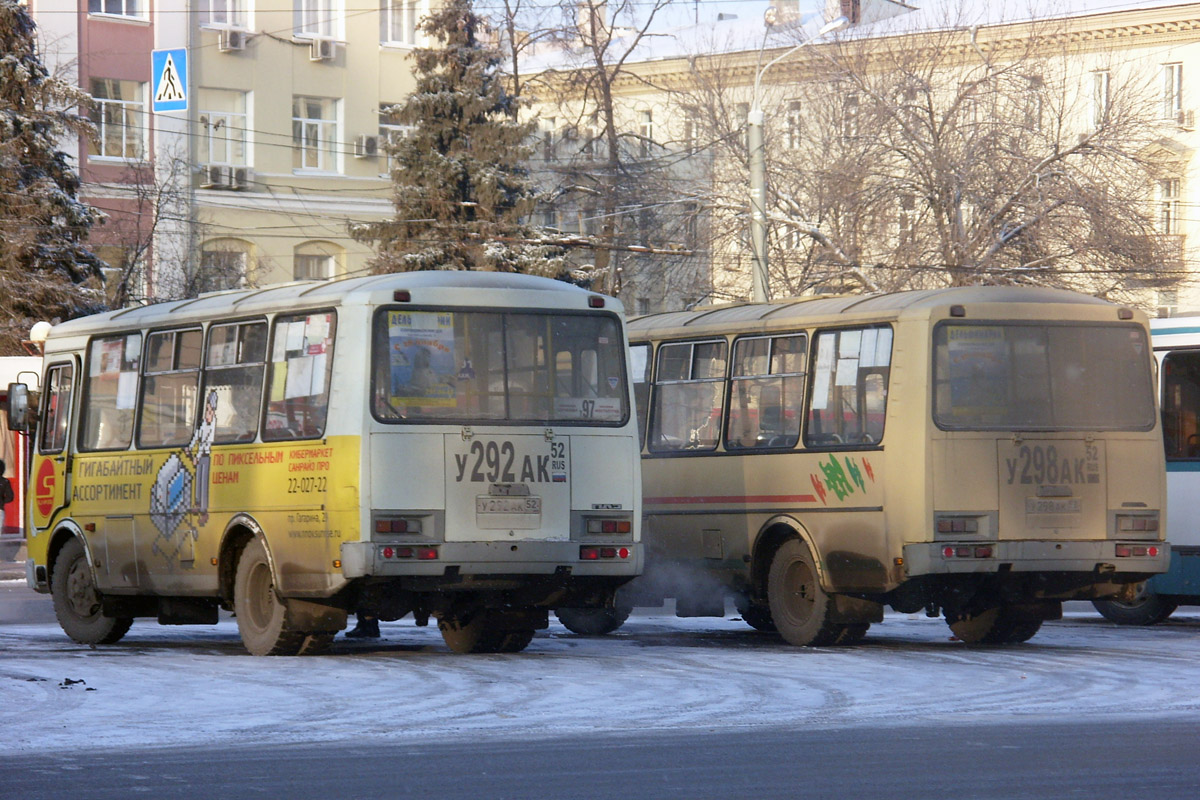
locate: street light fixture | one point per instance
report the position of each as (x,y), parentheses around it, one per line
(758,169)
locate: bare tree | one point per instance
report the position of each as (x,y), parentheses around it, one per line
(619,182)
(955,156)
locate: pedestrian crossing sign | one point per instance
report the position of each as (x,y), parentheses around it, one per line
(169,71)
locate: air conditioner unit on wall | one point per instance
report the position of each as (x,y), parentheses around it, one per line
(321,49)
(230,40)
(241,178)
(366,146)
(214,176)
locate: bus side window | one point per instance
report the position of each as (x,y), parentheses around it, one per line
(234,367)
(169,388)
(110,392)
(768,391)
(1180,401)
(639,356)
(849,395)
(59,385)
(689,396)
(298,376)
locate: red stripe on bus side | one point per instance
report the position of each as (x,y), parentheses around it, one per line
(753,498)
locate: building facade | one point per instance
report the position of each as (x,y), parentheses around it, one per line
(277,154)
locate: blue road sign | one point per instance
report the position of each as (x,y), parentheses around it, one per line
(169,70)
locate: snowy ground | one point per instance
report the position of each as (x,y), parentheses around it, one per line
(167,686)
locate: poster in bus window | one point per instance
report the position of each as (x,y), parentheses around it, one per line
(978,369)
(422,360)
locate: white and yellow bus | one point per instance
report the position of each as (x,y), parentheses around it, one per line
(451,444)
(982,453)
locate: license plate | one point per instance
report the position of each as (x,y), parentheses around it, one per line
(1046,505)
(508,505)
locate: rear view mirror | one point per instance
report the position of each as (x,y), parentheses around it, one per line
(20,416)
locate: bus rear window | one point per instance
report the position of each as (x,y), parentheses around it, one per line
(998,376)
(519,367)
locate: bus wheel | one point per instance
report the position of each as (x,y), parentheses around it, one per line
(997,625)
(799,606)
(262,617)
(470,634)
(76,602)
(515,641)
(756,616)
(1147,608)
(592,621)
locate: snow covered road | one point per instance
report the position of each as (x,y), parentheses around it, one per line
(171,686)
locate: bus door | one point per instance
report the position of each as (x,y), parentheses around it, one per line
(50,474)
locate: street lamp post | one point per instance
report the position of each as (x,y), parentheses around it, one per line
(758,166)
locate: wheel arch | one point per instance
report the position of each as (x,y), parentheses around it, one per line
(65,532)
(239,532)
(771,537)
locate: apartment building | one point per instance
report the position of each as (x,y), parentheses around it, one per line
(276,154)
(698,84)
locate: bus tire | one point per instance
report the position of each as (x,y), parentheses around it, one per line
(515,641)
(262,617)
(996,625)
(77,603)
(754,615)
(800,608)
(1147,608)
(472,634)
(592,621)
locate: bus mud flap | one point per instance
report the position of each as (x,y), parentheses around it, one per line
(305,615)
(848,609)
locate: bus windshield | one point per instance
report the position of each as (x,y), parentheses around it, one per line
(437,365)
(995,376)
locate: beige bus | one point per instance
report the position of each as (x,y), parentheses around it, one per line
(448,444)
(983,453)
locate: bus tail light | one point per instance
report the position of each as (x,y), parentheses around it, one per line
(956,524)
(968,551)
(609,526)
(1137,523)
(391,552)
(596,552)
(1137,551)
(395,525)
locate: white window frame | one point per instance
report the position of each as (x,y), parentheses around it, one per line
(1101,96)
(402,16)
(317,135)
(133,148)
(1173,91)
(224,14)
(215,130)
(129,9)
(317,19)
(390,133)
(646,130)
(315,265)
(1168,206)
(794,120)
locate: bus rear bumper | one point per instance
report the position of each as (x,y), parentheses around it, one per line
(360,559)
(1103,558)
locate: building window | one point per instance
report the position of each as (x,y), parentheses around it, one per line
(1168,302)
(311,267)
(315,261)
(317,18)
(119,115)
(549,145)
(1101,97)
(689,134)
(223,126)
(908,219)
(391,131)
(643,306)
(117,8)
(850,109)
(314,134)
(1168,206)
(794,121)
(398,22)
(646,131)
(1173,92)
(224,264)
(223,13)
